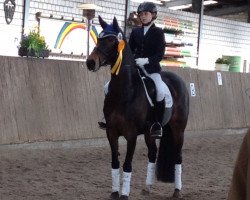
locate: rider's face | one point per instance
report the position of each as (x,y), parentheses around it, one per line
(145,17)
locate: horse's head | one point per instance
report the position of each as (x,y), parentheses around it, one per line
(105,52)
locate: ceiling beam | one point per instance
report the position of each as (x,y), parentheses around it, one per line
(177,3)
(197,6)
(226,11)
(248,11)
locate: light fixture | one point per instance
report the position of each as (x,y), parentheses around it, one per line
(153,1)
(210,2)
(181,7)
(88,11)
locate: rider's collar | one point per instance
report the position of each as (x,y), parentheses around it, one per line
(146,28)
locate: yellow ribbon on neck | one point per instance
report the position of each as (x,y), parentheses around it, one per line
(116,68)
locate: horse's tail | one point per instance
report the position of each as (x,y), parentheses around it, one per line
(165,166)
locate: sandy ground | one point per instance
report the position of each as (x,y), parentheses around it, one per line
(76,171)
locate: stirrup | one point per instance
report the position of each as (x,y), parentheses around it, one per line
(156,130)
(102,125)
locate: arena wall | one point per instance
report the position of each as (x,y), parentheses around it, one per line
(45,99)
(219,36)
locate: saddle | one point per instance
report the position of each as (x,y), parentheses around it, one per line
(150,91)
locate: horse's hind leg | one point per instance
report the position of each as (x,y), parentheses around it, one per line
(152,151)
(178,141)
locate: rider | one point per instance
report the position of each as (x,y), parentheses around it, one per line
(148,46)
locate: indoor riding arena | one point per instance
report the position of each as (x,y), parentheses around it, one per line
(81,169)
(51,147)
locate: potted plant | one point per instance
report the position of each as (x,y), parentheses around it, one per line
(222,64)
(33,45)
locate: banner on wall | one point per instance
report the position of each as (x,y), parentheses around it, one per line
(68,37)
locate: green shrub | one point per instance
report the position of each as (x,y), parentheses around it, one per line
(222,61)
(34,42)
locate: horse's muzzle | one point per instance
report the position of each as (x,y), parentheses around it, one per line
(91,64)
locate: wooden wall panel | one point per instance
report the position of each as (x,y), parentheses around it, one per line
(195,120)
(61,100)
(238,112)
(8,118)
(210,106)
(245,80)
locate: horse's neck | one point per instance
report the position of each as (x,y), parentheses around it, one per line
(123,84)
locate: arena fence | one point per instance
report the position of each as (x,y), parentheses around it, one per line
(52,100)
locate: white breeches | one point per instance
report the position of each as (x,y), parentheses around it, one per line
(162,90)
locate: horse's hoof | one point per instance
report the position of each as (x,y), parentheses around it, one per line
(177,193)
(145,192)
(114,196)
(123,197)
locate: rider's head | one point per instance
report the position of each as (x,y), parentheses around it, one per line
(147,12)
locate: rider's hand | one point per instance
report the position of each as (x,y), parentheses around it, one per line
(141,61)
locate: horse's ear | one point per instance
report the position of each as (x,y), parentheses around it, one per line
(102,22)
(116,25)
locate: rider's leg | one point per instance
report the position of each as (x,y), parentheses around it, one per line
(102,123)
(156,127)
(163,106)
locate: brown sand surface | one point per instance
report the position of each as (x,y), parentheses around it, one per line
(66,171)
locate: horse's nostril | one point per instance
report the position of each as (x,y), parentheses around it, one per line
(90,64)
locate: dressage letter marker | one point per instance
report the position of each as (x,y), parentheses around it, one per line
(219,78)
(192,90)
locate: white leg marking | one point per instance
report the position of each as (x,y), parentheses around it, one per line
(150,174)
(115,180)
(178,183)
(126,183)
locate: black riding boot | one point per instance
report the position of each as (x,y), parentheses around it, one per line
(102,124)
(156,128)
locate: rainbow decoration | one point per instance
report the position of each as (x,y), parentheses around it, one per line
(69,27)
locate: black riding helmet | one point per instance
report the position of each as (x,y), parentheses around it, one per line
(147,7)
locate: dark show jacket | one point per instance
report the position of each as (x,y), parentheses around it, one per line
(151,46)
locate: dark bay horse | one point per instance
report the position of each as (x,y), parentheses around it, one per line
(127,112)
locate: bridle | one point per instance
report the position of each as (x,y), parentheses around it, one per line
(108,53)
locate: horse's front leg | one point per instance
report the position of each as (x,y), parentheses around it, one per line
(152,151)
(115,164)
(127,168)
